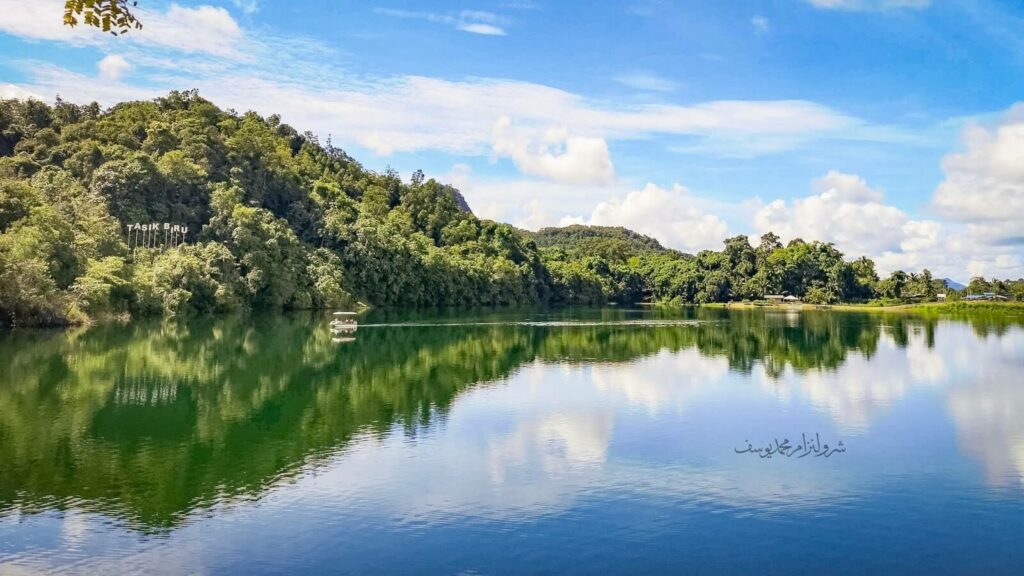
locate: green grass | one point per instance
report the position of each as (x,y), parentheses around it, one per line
(961,307)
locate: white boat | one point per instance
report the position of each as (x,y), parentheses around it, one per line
(343,323)
(344,318)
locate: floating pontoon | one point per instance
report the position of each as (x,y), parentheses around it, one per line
(343,323)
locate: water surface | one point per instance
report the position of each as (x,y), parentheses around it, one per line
(573,441)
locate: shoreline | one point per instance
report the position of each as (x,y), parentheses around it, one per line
(1003,308)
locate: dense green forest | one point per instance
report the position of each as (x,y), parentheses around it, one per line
(273,219)
(613,243)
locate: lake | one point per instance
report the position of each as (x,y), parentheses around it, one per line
(570,441)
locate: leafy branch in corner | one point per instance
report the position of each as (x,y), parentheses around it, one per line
(112,16)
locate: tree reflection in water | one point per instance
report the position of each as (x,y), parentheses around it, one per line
(150,421)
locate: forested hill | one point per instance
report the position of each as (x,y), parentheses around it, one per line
(175,207)
(613,243)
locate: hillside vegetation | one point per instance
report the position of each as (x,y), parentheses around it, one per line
(276,220)
(613,243)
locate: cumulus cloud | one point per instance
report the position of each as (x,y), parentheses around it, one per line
(984,182)
(206,29)
(849,213)
(556,155)
(864,5)
(982,200)
(536,216)
(673,216)
(113,67)
(529,203)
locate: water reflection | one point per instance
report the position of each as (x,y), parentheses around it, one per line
(987,405)
(151,422)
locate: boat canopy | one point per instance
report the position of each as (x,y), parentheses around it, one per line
(345,313)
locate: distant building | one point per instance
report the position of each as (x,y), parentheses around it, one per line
(774,297)
(941,296)
(791,298)
(985,296)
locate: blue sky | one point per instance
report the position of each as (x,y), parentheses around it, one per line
(890,127)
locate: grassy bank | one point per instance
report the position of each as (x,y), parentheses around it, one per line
(1007,308)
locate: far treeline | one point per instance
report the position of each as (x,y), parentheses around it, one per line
(275,220)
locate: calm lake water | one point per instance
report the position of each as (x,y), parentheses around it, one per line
(516,442)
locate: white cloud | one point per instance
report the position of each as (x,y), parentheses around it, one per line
(247,6)
(486,207)
(865,5)
(556,155)
(982,199)
(646,82)
(113,67)
(985,182)
(849,213)
(473,21)
(202,29)
(206,29)
(527,202)
(537,217)
(12,91)
(458,117)
(919,235)
(761,25)
(845,210)
(40,20)
(51,80)
(485,29)
(672,216)
(231,68)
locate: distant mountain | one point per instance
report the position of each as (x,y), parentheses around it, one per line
(613,243)
(953,284)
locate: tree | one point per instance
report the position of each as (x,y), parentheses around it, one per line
(17,198)
(927,285)
(895,285)
(112,16)
(865,278)
(105,287)
(978,285)
(191,279)
(741,259)
(769,243)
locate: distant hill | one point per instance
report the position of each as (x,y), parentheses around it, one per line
(613,243)
(950,283)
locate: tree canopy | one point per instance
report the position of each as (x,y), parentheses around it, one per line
(273,219)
